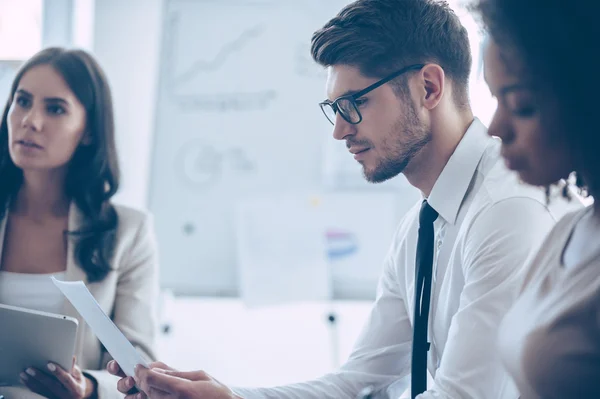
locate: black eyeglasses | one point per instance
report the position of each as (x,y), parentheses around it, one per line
(346,105)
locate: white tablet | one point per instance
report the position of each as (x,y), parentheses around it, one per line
(30,338)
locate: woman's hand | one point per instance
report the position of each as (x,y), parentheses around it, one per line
(57,383)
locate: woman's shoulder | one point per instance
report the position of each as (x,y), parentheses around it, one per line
(564,226)
(135,237)
(131,218)
(559,233)
(133,223)
(553,244)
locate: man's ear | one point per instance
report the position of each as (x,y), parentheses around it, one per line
(433,80)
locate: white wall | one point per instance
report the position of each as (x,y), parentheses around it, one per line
(264,346)
(126,38)
(261,346)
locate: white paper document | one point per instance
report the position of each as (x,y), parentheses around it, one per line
(107,332)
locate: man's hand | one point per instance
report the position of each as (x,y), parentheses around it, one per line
(56,382)
(126,384)
(163,382)
(170,384)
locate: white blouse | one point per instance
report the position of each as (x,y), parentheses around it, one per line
(31,291)
(549,339)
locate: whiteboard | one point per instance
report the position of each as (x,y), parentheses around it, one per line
(237,117)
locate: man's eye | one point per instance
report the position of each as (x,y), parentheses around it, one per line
(360,101)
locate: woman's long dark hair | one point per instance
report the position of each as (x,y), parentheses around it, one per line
(558,41)
(93,172)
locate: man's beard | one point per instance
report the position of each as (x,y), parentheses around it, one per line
(407,139)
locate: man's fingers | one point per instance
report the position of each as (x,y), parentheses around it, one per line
(160,365)
(188,375)
(158,394)
(125,385)
(147,379)
(114,369)
(154,394)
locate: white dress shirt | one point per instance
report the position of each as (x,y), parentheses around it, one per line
(488,226)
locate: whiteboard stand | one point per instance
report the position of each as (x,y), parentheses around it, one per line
(334,337)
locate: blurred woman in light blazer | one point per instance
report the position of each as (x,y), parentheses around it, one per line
(58,173)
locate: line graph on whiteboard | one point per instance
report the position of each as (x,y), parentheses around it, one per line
(191,87)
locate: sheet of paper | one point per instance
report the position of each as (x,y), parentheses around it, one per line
(107,332)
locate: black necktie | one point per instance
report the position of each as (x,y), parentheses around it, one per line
(423,276)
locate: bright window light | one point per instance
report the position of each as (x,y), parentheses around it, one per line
(20,28)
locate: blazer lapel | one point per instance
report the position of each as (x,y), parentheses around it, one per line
(74,273)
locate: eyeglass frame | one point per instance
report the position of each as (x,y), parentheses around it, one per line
(355,96)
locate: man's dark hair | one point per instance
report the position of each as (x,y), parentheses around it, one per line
(556,40)
(381,36)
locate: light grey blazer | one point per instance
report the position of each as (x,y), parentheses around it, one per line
(128,294)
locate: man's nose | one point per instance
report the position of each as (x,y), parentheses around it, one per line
(341,128)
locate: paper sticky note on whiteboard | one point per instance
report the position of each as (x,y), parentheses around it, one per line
(103,327)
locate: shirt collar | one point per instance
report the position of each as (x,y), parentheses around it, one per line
(451,186)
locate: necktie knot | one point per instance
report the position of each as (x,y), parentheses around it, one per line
(427,215)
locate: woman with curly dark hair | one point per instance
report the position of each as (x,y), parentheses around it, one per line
(540,65)
(58,173)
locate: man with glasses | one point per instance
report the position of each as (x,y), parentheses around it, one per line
(397,91)
(347,105)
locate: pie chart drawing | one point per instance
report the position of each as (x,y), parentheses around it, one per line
(203,164)
(200,163)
